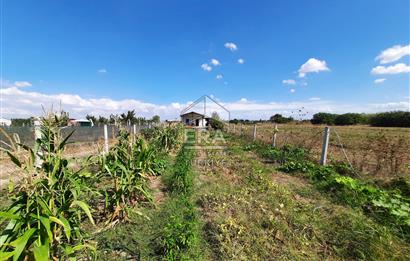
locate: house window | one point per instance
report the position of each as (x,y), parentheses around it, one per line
(186,121)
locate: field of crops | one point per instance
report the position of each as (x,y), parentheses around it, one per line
(170,193)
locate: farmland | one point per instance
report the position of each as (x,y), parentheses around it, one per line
(212,196)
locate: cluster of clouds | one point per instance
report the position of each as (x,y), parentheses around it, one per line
(312,65)
(17,101)
(213,63)
(388,56)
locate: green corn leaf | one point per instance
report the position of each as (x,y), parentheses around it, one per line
(14,159)
(9,215)
(67,228)
(64,223)
(85,208)
(6,232)
(46,223)
(21,243)
(6,255)
(62,144)
(42,252)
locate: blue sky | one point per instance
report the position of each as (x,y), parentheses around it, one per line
(148,55)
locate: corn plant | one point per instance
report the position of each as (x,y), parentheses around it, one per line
(43,220)
(128,164)
(166,138)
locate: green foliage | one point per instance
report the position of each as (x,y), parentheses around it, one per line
(167,138)
(391,208)
(278,118)
(391,119)
(180,233)
(323,118)
(128,164)
(45,216)
(216,124)
(351,119)
(181,180)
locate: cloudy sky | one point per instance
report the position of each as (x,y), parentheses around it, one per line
(255,57)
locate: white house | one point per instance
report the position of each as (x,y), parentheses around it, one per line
(195,119)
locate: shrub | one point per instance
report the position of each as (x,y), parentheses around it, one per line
(391,119)
(278,118)
(350,119)
(323,118)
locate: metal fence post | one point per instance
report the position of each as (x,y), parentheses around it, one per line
(275,131)
(105,138)
(254,132)
(325,146)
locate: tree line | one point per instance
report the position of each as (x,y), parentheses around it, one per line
(127,118)
(382,119)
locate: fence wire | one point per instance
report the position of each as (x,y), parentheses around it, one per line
(366,150)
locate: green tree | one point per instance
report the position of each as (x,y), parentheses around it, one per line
(278,118)
(156,119)
(323,118)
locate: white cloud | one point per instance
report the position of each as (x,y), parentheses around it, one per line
(206,67)
(241,61)
(393,54)
(377,81)
(292,90)
(22,84)
(312,65)
(314,99)
(102,70)
(215,62)
(289,82)
(392,69)
(219,77)
(231,46)
(18,102)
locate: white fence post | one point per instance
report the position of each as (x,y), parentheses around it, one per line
(275,131)
(254,132)
(37,135)
(135,129)
(325,146)
(105,139)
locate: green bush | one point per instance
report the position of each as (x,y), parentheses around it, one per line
(351,119)
(391,119)
(323,118)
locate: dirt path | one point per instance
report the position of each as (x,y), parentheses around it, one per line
(158,189)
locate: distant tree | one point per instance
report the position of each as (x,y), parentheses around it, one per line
(91,118)
(141,121)
(128,117)
(156,119)
(102,120)
(350,119)
(323,118)
(22,122)
(391,119)
(215,116)
(114,119)
(278,118)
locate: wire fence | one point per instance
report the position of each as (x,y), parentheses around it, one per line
(381,152)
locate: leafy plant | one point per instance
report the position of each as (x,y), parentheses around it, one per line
(127,164)
(44,219)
